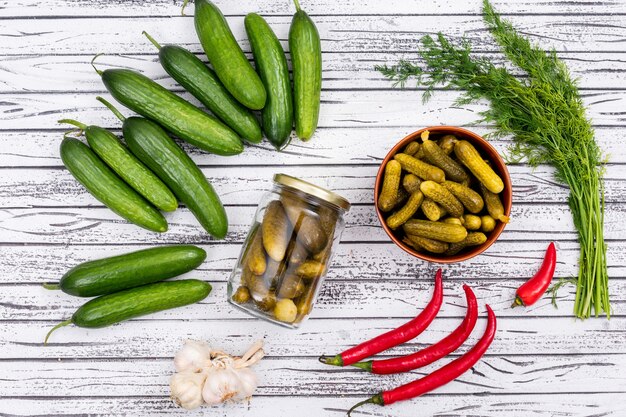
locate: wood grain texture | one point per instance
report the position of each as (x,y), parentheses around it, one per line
(395,108)
(516,405)
(306,376)
(86,225)
(542,363)
(362,145)
(341,33)
(243,186)
(151,338)
(64,8)
(29,73)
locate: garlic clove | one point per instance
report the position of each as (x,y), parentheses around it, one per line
(193,357)
(186,389)
(247,383)
(221,385)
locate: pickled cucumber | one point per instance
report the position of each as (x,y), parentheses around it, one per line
(398,218)
(306,224)
(276,230)
(472,222)
(440,195)
(494,204)
(441,231)
(487,223)
(328,220)
(472,239)
(310,270)
(420,168)
(255,256)
(431,210)
(391,182)
(291,286)
(411,183)
(430,245)
(436,156)
(472,201)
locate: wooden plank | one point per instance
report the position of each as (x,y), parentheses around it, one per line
(300,377)
(354,145)
(336,405)
(537,222)
(346,33)
(63,8)
(338,109)
(352,298)
(240,185)
(161,338)
(372,263)
(62,73)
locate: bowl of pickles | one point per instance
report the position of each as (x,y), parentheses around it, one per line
(443,194)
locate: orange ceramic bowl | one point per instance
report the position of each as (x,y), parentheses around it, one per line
(488,152)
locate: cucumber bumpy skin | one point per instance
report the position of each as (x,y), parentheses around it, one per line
(228,60)
(271,64)
(121,160)
(202,82)
(306,58)
(152,145)
(151,100)
(116,273)
(135,302)
(107,187)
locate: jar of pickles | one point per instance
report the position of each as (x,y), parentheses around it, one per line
(288,250)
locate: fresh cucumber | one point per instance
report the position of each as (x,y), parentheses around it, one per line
(108,147)
(202,82)
(135,302)
(109,275)
(306,60)
(142,95)
(107,187)
(271,64)
(228,60)
(151,144)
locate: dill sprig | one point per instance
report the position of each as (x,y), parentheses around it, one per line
(546,117)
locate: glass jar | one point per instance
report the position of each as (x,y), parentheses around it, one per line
(288,250)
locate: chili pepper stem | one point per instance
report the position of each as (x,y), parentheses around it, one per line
(517,302)
(366,366)
(52,286)
(297,3)
(376,399)
(62,324)
(336,360)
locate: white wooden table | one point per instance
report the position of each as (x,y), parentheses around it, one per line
(542,363)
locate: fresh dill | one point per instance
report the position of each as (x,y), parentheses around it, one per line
(546,117)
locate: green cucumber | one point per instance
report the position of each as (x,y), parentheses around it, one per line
(228,60)
(306,60)
(116,273)
(142,95)
(135,302)
(108,147)
(271,64)
(202,82)
(151,144)
(107,187)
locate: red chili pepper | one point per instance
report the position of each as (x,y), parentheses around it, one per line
(431,353)
(442,375)
(534,288)
(395,337)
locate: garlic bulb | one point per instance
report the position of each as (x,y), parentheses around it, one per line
(193,357)
(186,388)
(211,376)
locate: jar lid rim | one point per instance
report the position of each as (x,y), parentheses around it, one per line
(312,189)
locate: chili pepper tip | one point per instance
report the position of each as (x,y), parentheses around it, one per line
(331,360)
